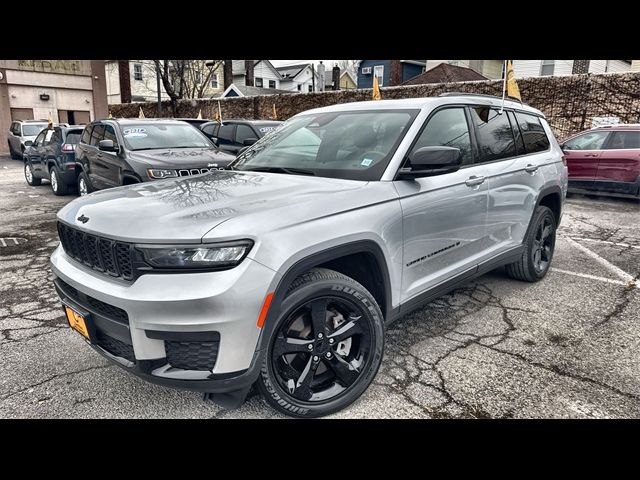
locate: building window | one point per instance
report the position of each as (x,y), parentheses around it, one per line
(378,71)
(272,84)
(299,87)
(310,87)
(547,67)
(137,71)
(258,82)
(214,80)
(197,77)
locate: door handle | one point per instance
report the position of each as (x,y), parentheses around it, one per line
(531,168)
(590,154)
(474,180)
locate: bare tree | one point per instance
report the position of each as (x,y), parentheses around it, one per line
(350,66)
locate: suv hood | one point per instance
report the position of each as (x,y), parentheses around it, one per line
(177,158)
(183,210)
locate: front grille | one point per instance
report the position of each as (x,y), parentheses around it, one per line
(98,306)
(101,254)
(185,172)
(192,355)
(115,346)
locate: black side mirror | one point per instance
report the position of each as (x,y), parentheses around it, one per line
(249,141)
(28,143)
(107,146)
(431,161)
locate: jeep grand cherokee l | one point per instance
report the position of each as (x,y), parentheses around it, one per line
(124,151)
(284,269)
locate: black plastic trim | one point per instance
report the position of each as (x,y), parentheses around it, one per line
(183,336)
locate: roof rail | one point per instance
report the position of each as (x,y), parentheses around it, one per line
(467,94)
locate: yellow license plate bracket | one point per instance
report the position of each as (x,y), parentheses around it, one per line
(77,322)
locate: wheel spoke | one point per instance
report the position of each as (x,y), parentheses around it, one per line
(319,316)
(286,345)
(302,387)
(546,232)
(536,258)
(547,253)
(348,329)
(345,373)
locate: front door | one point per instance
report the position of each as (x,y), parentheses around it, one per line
(582,154)
(35,153)
(112,162)
(443,216)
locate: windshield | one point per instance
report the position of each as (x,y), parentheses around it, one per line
(353,145)
(32,129)
(168,135)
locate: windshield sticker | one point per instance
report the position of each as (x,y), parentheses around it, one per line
(135,132)
(366,162)
(267,129)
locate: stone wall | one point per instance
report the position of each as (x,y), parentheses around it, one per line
(569,102)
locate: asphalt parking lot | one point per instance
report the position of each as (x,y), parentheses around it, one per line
(566,347)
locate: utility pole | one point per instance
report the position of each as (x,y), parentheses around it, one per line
(313,77)
(228,73)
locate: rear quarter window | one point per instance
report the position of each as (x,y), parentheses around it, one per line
(73,136)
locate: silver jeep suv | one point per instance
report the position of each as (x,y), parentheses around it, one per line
(283,270)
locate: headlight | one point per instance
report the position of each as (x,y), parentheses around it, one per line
(160,173)
(221,255)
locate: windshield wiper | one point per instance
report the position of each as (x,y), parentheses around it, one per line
(290,171)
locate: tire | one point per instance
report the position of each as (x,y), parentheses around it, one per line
(87,188)
(345,371)
(527,268)
(58,186)
(29,177)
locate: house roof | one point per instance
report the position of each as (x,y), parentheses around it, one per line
(238,67)
(292,71)
(328,76)
(245,91)
(444,73)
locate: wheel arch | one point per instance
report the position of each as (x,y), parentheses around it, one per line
(337,258)
(550,197)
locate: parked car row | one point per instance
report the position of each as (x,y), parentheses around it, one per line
(22,133)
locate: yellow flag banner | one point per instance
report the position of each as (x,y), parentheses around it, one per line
(274,115)
(50,120)
(141,113)
(375,93)
(200,115)
(512,86)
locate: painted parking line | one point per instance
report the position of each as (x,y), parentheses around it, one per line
(602,261)
(607,242)
(595,277)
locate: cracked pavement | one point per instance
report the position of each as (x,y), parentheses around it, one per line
(566,347)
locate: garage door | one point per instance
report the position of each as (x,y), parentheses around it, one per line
(22,114)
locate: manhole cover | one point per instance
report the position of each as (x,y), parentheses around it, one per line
(11,241)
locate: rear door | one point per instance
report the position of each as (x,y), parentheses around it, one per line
(619,164)
(513,146)
(582,154)
(51,149)
(244,132)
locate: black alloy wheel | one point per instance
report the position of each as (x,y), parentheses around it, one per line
(326,347)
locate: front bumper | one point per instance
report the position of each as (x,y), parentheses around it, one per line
(145,321)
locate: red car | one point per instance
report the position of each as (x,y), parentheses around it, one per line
(605,160)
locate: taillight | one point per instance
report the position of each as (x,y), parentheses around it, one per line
(68,147)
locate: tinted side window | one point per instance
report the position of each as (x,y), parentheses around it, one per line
(517,134)
(86,134)
(243,132)
(57,137)
(493,131)
(624,140)
(447,128)
(587,141)
(110,134)
(211,129)
(97,134)
(535,138)
(48,137)
(39,139)
(225,134)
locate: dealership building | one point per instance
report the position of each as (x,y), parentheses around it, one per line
(68,91)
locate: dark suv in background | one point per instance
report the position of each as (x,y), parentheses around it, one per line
(52,157)
(233,135)
(118,152)
(605,160)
